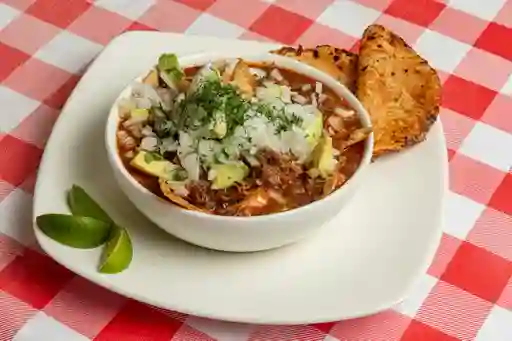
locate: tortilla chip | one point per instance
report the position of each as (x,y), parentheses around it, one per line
(338,63)
(398,88)
(244,79)
(357,136)
(176,199)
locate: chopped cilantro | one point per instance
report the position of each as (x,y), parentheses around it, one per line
(211,97)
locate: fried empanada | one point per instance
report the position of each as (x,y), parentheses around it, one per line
(338,63)
(398,88)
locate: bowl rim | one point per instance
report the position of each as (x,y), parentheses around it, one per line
(198,59)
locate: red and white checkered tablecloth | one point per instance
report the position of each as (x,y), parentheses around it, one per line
(466,293)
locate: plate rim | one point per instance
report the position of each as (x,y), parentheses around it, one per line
(99,280)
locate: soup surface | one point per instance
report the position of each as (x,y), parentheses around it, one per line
(238,139)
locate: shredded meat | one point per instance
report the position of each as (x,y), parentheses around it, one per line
(202,195)
(277,170)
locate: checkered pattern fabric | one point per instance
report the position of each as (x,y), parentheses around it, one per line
(466,293)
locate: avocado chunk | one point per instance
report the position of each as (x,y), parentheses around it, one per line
(161,168)
(219,125)
(140,114)
(226,175)
(323,156)
(314,129)
(168,63)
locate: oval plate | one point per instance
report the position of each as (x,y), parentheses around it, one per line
(362,262)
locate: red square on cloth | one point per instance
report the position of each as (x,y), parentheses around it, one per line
(501,200)
(84,306)
(449,23)
(385,326)
(281,25)
(28,34)
(138,26)
(318,34)
(14,314)
(380,5)
(100,25)
(466,97)
(137,321)
(309,9)
(421,12)
(444,255)
(59,97)
(410,32)
(418,331)
(57,12)
(478,271)
(34,278)
(446,304)
(9,247)
(297,332)
(492,232)
(473,178)
(6,188)
(36,128)
(505,300)
(169,16)
(19,4)
(18,159)
(44,78)
(11,59)
(504,17)
(495,73)
(499,114)
(456,127)
(201,5)
(495,39)
(229,11)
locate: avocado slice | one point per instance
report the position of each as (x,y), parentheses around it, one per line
(141,114)
(219,125)
(228,174)
(159,168)
(323,156)
(314,129)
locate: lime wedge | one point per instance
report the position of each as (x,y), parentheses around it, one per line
(118,252)
(81,204)
(75,231)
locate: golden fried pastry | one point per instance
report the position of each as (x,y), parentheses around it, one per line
(400,90)
(339,63)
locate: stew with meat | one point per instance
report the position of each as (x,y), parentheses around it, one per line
(237,138)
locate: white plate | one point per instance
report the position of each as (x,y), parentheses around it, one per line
(363,262)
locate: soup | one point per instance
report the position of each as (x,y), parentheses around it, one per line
(237,138)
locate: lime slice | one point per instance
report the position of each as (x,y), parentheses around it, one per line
(118,252)
(81,204)
(75,231)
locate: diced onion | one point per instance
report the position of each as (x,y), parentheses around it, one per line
(318,88)
(299,99)
(306,87)
(149,143)
(345,113)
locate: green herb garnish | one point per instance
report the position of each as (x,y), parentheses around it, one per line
(212,96)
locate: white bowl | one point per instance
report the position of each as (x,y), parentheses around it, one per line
(239,234)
